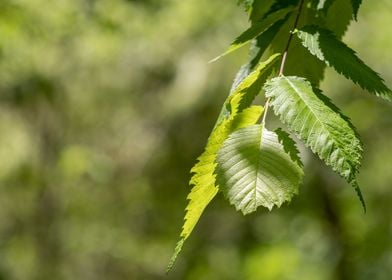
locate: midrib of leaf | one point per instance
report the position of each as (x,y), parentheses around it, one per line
(308,106)
(254,169)
(257,169)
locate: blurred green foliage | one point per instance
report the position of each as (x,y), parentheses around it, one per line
(105,105)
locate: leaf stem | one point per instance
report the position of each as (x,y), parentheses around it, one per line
(284,57)
(286,50)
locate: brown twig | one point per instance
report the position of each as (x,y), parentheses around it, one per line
(284,57)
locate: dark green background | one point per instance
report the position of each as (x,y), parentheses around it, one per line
(104,107)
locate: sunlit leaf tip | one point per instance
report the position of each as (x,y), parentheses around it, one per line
(173,258)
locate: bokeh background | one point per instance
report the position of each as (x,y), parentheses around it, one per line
(104,107)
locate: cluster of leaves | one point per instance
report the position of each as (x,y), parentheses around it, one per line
(253,166)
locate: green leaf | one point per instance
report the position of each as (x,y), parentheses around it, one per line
(255,30)
(235,114)
(257,48)
(203,180)
(289,145)
(356,4)
(323,44)
(313,68)
(339,16)
(316,121)
(259,9)
(260,44)
(255,170)
(256,51)
(282,4)
(247,85)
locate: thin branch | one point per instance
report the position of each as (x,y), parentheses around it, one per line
(284,57)
(286,50)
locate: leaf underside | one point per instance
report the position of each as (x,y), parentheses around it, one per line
(323,44)
(235,114)
(316,121)
(203,180)
(255,170)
